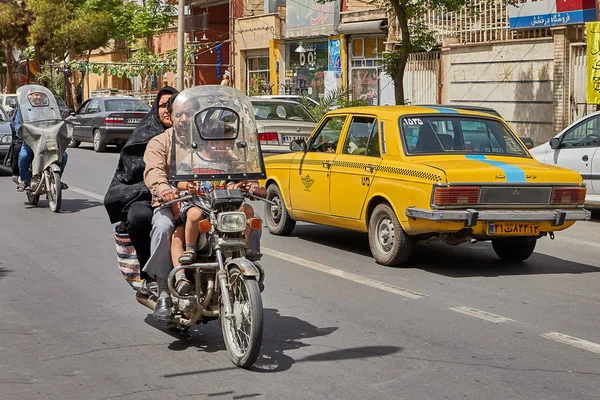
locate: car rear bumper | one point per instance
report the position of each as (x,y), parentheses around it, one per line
(471,216)
(117,134)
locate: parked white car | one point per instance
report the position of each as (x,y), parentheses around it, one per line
(311,102)
(576,148)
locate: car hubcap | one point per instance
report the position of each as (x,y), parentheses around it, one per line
(276,209)
(96,140)
(385,235)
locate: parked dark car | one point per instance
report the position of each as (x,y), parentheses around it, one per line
(5,134)
(62,107)
(106,120)
(527,141)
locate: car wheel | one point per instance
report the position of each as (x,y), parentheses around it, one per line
(279,221)
(74,143)
(514,250)
(390,245)
(99,145)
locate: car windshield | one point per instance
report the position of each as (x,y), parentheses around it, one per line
(3,117)
(11,101)
(60,101)
(427,134)
(271,110)
(126,105)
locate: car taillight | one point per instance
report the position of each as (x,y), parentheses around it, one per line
(443,196)
(113,120)
(269,138)
(568,195)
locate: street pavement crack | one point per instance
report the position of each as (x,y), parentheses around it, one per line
(104,349)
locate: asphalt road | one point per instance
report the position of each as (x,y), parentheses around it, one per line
(456,324)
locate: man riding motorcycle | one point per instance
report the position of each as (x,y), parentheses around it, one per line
(158,165)
(36,99)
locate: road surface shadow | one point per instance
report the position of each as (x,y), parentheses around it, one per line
(76,205)
(280,334)
(342,239)
(461,261)
(4,271)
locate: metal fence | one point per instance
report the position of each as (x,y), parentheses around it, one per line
(480,21)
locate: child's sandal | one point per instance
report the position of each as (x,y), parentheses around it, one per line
(187,258)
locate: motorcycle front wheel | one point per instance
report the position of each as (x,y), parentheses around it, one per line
(243,332)
(54,191)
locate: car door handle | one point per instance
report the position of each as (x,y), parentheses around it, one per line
(369,168)
(585,158)
(326,164)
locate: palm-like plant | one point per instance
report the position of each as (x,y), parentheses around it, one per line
(55,81)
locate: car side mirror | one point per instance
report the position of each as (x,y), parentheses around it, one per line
(298,145)
(554,143)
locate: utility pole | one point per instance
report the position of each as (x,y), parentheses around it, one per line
(181,44)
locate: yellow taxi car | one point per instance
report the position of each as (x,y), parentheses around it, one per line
(406,173)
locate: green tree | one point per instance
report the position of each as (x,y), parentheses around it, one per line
(15,19)
(414,34)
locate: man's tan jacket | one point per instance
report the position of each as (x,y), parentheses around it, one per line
(158,164)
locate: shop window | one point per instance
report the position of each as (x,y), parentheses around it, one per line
(358,50)
(370,47)
(258,75)
(380,47)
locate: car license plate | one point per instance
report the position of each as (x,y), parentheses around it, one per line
(288,138)
(513,229)
(134,120)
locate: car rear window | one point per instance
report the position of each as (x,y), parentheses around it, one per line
(126,105)
(280,111)
(427,134)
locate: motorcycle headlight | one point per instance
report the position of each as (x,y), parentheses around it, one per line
(6,139)
(231,222)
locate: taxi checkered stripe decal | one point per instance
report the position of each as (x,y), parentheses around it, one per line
(409,172)
(349,164)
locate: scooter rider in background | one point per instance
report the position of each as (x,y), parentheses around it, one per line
(26,154)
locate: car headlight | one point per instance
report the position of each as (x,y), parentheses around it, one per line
(6,139)
(231,222)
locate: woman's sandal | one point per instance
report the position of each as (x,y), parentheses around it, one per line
(187,258)
(183,285)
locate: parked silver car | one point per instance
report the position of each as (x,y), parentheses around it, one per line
(280,122)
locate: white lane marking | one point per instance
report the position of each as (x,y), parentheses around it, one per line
(473,312)
(573,341)
(343,274)
(86,193)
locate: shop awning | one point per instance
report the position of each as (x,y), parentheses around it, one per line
(352,28)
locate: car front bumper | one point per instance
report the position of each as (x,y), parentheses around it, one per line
(472,216)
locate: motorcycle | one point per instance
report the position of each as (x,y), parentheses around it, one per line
(219,144)
(48,135)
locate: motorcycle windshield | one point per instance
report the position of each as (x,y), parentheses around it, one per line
(42,127)
(214,136)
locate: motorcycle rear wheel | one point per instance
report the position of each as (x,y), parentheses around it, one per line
(55,192)
(243,332)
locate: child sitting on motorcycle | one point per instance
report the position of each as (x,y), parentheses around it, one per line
(213,157)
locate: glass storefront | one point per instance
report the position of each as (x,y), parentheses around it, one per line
(305,72)
(365,67)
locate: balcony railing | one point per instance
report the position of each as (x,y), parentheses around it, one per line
(481,21)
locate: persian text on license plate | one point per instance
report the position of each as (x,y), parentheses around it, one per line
(513,229)
(134,120)
(287,138)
